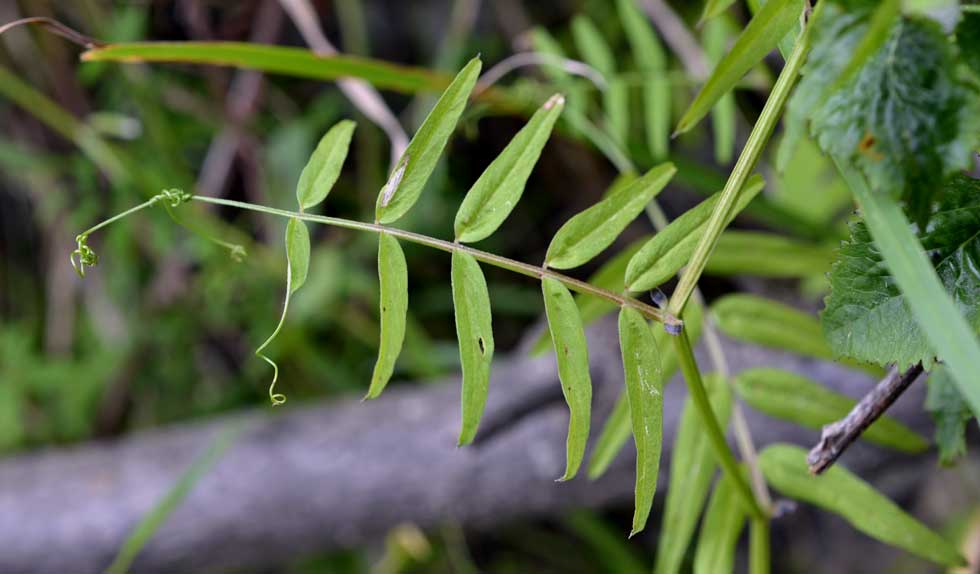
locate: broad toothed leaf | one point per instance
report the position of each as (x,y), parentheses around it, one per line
(867,317)
(951,414)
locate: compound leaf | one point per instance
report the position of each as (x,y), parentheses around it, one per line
(471,301)
(323,169)
(393,276)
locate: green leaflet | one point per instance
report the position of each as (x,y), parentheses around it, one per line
(651,60)
(950,413)
(672,247)
(713,8)
(591,231)
(866,315)
(763,32)
(544,43)
(723,522)
(393,276)
(906,120)
(323,169)
(644,389)
(616,429)
(616,101)
(297,268)
(767,255)
(474,331)
(597,53)
(572,354)
(415,166)
(715,39)
(791,397)
(691,470)
(499,188)
(771,324)
(842,493)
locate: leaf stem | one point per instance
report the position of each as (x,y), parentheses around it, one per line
(527,269)
(759,546)
(716,437)
(746,163)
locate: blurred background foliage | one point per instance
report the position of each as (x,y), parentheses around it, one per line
(163,330)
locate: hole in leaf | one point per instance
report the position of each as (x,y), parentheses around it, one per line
(483,348)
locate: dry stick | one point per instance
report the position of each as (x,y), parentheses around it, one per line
(837,436)
(57,28)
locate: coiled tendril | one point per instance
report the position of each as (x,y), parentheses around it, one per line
(174,196)
(84,256)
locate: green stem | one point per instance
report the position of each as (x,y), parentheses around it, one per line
(489,258)
(747,161)
(716,437)
(759,546)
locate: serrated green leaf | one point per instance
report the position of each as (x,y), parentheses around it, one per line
(475,333)
(591,231)
(691,470)
(763,32)
(499,188)
(321,172)
(767,255)
(846,495)
(572,354)
(670,249)
(393,276)
(866,315)
(723,522)
(713,8)
(644,389)
(906,120)
(616,429)
(795,398)
(297,253)
(951,414)
(415,166)
(715,39)
(878,29)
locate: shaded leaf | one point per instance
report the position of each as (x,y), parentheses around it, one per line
(572,354)
(723,522)
(644,389)
(323,169)
(593,47)
(763,32)
(715,39)
(968,39)
(613,552)
(846,495)
(416,164)
(475,333)
(671,248)
(951,414)
(616,102)
(713,8)
(393,276)
(767,255)
(651,60)
(585,235)
(795,398)
(499,188)
(866,315)
(691,470)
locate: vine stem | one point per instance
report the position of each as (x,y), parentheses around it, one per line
(527,269)
(746,163)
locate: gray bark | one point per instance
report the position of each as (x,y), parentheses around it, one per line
(311,478)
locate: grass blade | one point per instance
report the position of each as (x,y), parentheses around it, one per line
(415,166)
(767,27)
(644,389)
(568,336)
(791,397)
(323,169)
(670,249)
(499,188)
(393,276)
(591,231)
(475,333)
(846,495)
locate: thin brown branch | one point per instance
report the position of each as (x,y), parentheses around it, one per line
(837,436)
(55,27)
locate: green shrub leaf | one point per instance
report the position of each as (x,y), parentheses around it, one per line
(572,353)
(499,188)
(723,522)
(475,333)
(591,231)
(950,412)
(765,322)
(670,249)
(415,166)
(323,169)
(844,494)
(393,276)
(767,27)
(297,253)
(867,317)
(791,397)
(691,470)
(644,389)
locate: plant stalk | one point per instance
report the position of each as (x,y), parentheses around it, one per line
(746,163)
